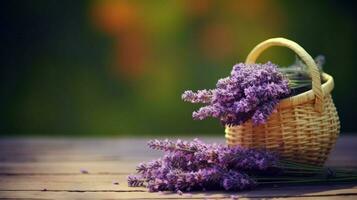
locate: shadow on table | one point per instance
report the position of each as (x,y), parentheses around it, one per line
(345,189)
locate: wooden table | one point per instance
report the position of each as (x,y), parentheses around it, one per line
(68,168)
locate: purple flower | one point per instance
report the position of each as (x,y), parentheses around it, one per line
(179,192)
(135,181)
(237,181)
(247,159)
(207,111)
(251,92)
(179,145)
(201,96)
(194,165)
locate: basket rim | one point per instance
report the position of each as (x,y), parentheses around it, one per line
(308,95)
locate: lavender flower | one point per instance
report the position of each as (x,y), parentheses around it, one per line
(201,96)
(195,165)
(179,145)
(179,192)
(146,169)
(135,181)
(239,158)
(234,180)
(250,92)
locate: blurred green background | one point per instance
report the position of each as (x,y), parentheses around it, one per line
(119,67)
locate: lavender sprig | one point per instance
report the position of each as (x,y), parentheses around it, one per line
(179,145)
(135,181)
(201,96)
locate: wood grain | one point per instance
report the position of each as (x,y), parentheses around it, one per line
(67,168)
(46,168)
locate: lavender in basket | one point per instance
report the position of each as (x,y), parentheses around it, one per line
(299,76)
(251,92)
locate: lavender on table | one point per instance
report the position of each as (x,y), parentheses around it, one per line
(250,92)
(135,181)
(195,165)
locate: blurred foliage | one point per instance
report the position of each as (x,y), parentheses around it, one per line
(119,67)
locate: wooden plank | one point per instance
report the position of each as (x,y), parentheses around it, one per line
(104,183)
(28,166)
(80,182)
(75,167)
(135,149)
(52,158)
(290,192)
(35,195)
(63,150)
(79,149)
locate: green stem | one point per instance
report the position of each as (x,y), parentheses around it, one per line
(301,165)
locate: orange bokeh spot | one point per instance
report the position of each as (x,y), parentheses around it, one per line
(120,19)
(197,7)
(216,41)
(115,16)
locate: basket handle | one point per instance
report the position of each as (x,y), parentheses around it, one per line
(309,61)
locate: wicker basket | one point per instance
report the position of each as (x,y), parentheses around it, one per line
(305,127)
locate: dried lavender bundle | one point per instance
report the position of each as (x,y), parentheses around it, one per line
(194,165)
(250,92)
(299,76)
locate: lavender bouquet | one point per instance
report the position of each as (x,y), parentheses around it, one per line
(250,92)
(189,166)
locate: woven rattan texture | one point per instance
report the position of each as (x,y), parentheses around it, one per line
(298,130)
(298,133)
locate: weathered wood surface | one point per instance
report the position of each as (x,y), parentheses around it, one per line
(51,169)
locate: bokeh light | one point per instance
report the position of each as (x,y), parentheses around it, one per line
(106,67)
